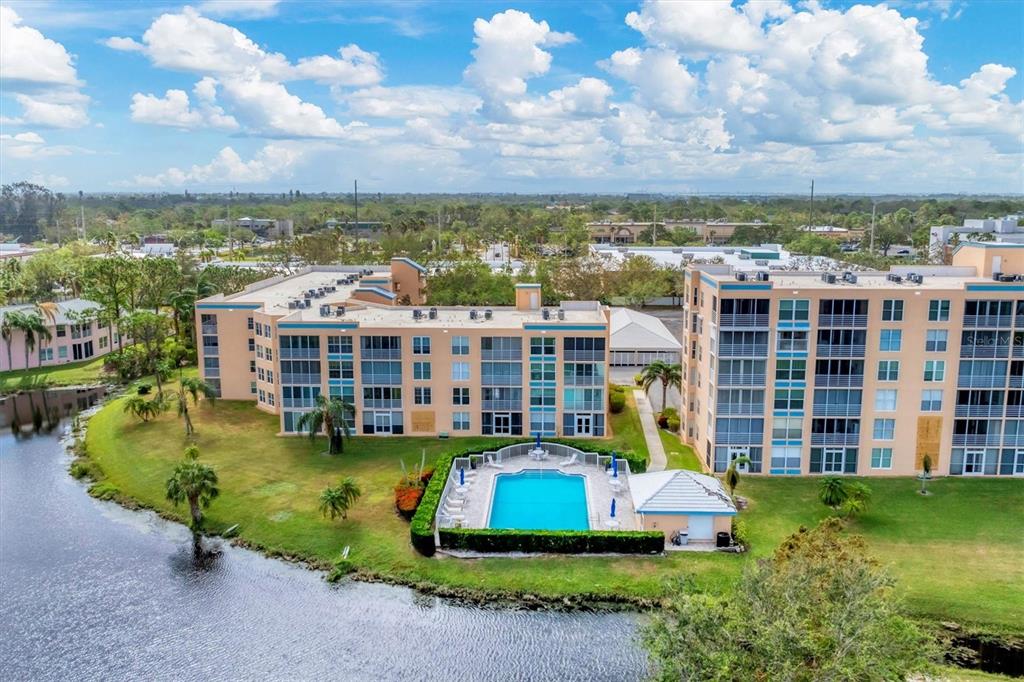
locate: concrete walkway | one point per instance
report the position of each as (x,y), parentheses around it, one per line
(654,446)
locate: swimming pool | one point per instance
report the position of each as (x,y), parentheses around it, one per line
(539,500)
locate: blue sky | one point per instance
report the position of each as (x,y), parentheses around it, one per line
(697,96)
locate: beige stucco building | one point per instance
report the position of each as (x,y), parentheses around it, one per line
(859,373)
(408,369)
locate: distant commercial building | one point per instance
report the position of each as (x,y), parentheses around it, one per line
(268,228)
(408,369)
(75,336)
(1005,229)
(861,373)
(761,257)
(832,232)
(711,232)
(364,229)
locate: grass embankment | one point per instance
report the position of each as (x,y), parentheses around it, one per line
(678,454)
(958,554)
(72,374)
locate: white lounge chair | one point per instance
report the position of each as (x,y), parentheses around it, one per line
(571,461)
(495,465)
(616,484)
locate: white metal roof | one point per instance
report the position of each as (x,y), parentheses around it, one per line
(632,330)
(678,491)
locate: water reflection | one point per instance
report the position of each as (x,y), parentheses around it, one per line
(42,410)
(93,591)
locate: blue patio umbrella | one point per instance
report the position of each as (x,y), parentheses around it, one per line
(462,475)
(615,466)
(538,440)
(613,507)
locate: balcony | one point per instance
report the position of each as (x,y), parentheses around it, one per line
(382,404)
(835,438)
(980,410)
(1016,381)
(502,355)
(835,350)
(381,379)
(298,402)
(842,320)
(209,328)
(511,406)
(584,356)
(838,380)
(210,351)
(1018,351)
(975,439)
(743,320)
(300,353)
(739,409)
(741,379)
(734,350)
(985,381)
(989,321)
(299,379)
(1015,410)
(1014,439)
(210,372)
(852,410)
(501,380)
(995,351)
(380,353)
(739,438)
(577,380)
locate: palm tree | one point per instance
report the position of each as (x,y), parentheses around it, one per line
(142,408)
(335,502)
(856,500)
(668,375)
(926,472)
(31,325)
(732,475)
(196,484)
(328,415)
(192,387)
(833,492)
(8,325)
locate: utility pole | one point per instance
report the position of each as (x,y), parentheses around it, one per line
(81,214)
(228,209)
(874,205)
(654,231)
(811,221)
(438,231)
(356,195)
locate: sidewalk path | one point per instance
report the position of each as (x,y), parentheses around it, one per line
(654,446)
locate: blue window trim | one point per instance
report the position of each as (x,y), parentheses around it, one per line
(318,325)
(229,306)
(566,327)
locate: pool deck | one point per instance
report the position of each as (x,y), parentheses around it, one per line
(480,491)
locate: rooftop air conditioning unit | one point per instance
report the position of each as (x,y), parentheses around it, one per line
(830,278)
(852,279)
(761,261)
(728,251)
(341,281)
(561,314)
(292,305)
(762,276)
(897,279)
(997,277)
(305,302)
(741,277)
(744,256)
(473,315)
(325,310)
(433,314)
(1007,278)
(545,313)
(417,314)
(339,311)
(677,250)
(488,314)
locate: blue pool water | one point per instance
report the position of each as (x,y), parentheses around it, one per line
(539,500)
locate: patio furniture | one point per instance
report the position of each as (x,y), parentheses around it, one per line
(491,463)
(571,461)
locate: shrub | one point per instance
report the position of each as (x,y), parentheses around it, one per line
(670,412)
(616,402)
(740,532)
(617,388)
(407,498)
(144,389)
(673,424)
(553,541)
(638,379)
(662,421)
(104,490)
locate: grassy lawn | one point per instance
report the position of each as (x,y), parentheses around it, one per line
(626,428)
(72,374)
(958,554)
(679,455)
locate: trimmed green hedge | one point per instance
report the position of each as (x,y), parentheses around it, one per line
(421,527)
(554,541)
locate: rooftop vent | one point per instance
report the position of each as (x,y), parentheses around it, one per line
(325,310)
(433,313)
(545,313)
(741,277)
(488,314)
(561,314)
(473,315)
(417,314)
(339,311)
(762,276)
(997,277)
(292,305)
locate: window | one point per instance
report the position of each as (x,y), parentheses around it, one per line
(938,310)
(892,310)
(460,396)
(269,353)
(252,366)
(936,340)
(270,398)
(249,323)
(790,370)
(421,345)
(339,344)
(884,429)
(103,342)
(885,400)
(252,345)
(45,354)
(62,331)
(881,458)
(260,373)
(891,340)
(786,457)
(62,352)
(888,370)
(542,397)
(794,310)
(792,341)
(934,370)
(460,421)
(252,387)
(421,371)
(789,399)
(931,400)
(540,345)
(542,371)
(787,428)
(460,345)
(421,395)
(270,376)
(460,371)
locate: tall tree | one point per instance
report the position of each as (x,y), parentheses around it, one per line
(332,416)
(194,483)
(667,374)
(191,387)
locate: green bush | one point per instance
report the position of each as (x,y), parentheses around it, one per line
(104,490)
(421,528)
(670,412)
(740,533)
(638,379)
(673,424)
(616,402)
(144,389)
(616,388)
(553,541)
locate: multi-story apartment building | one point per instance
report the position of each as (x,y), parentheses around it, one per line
(859,373)
(332,330)
(75,335)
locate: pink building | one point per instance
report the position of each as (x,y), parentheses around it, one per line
(76,336)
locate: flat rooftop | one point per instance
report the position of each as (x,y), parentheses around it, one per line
(933,278)
(275,293)
(502,317)
(753,257)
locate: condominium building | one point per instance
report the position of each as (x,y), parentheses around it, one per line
(859,373)
(75,335)
(408,369)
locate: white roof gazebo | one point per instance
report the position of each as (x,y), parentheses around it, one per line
(640,339)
